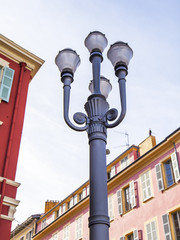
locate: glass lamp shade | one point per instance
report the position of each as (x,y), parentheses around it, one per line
(105,86)
(120,52)
(96,40)
(67,59)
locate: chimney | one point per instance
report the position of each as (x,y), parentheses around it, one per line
(49,205)
(147,144)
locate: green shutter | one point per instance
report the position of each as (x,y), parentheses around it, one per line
(6,84)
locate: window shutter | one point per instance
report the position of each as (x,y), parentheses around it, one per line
(135,234)
(175,166)
(122,238)
(167,230)
(113,171)
(119,199)
(159,177)
(110,207)
(6,84)
(146,186)
(132,194)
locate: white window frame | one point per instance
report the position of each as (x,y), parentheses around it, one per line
(146,185)
(110,207)
(43,223)
(153,229)
(75,200)
(120,195)
(113,171)
(175,171)
(166,226)
(66,232)
(124,162)
(63,208)
(84,193)
(79,228)
(55,236)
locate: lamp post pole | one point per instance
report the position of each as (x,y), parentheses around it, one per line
(97,119)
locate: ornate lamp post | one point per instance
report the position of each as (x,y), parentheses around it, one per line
(97,119)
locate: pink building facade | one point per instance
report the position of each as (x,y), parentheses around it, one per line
(143,197)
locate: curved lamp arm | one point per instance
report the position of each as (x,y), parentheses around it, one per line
(79,118)
(121,73)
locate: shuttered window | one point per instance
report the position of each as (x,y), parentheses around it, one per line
(132,194)
(131,236)
(146,185)
(171,172)
(119,200)
(66,232)
(151,231)
(126,198)
(6,83)
(110,207)
(159,177)
(135,235)
(175,166)
(78,228)
(167,230)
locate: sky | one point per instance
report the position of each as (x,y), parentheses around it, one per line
(54,159)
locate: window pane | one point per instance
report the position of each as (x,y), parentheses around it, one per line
(127,199)
(169,173)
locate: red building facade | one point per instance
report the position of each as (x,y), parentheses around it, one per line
(17,68)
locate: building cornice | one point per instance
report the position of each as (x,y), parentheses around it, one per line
(18,54)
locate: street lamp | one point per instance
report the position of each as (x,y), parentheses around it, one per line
(98,117)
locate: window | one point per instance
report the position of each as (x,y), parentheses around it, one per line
(66,233)
(146,186)
(124,163)
(75,199)
(6,79)
(55,236)
(110,208)
(71,203)
(58,213)
(167,230)
(29,235)
(131,236)
(151,231)
(87,190)
(126,198)
(111,173)
(84,193)
(80,196)
(44,223)
(78,228)
(127,202)
(176,224)
(168,172)
(63,208)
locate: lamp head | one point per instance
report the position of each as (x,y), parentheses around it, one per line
(67,60)
(96,41)
(120,54)
(105,86)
